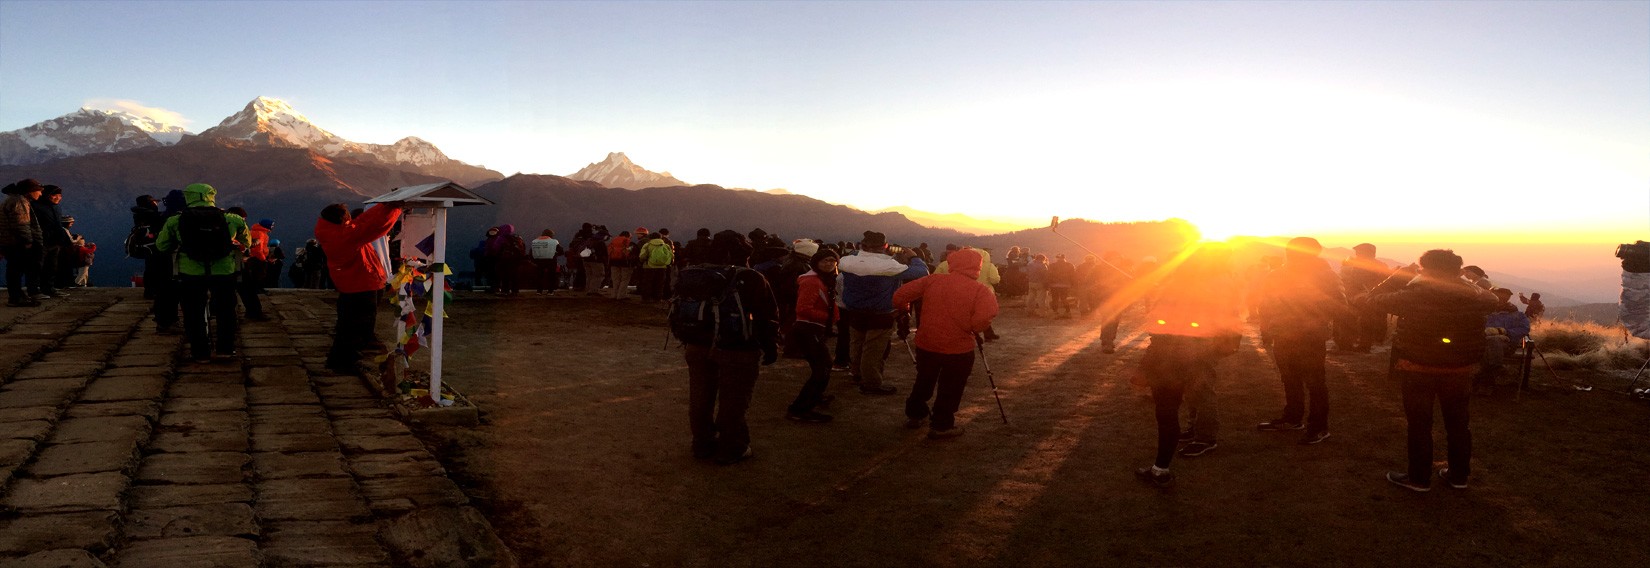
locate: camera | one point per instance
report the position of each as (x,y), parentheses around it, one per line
(1634,257)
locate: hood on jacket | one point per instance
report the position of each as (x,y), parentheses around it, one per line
(965,262)
(200,195)
(506,230)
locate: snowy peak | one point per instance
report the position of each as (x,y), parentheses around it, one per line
(412,150)
(82,132)
(276,123)
(618,171)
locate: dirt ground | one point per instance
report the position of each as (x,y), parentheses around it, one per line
(583,460)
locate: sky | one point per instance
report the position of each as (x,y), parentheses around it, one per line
(1500,122)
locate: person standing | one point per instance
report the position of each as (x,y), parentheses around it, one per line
(956,308)
(1062,275)
(1300,302)
(1436,350)
(277,262)
(359,275)
(1036,272)
(868,283)
(816,315)
(655,256)
(1359,330)
(1533,308)
(20,238)
(209,242)
(1193,324)
(723,366)
(545,249)
(621,263)
(54,240)
(509,257)
(252,268)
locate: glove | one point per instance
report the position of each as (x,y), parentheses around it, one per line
(769,355)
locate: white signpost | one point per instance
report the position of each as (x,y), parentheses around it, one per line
(438,198)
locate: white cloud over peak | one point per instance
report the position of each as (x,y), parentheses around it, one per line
(137,108)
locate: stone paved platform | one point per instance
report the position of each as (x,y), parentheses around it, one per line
(115,451)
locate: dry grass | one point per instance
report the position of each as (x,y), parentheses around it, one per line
(1586,345)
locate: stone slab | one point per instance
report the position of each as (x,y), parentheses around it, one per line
(393,465)
(276,465)
(216,519)
(79,354)
(87,531)
(282,395)
(227,376)
(148,409)
(175,404)
(86,457)
(14,452)
(283,411)
(370,427)
(33,398)
(191,552)
(288,375)
(89,335)
(35,430)
(400,494)
(287,443)
(143,360)
(323,549)
(380,444)
(198,468)
(101,429)
(352,389)
(27,414)
(105,389)
(199,441)
(64,385)
(348,413)
(59,370)
(69,493)
(208,421)
(268,361)
(137,372)
(208,390)
(161,496)
(275,351)
(60,558)
(266,341)
(294,424)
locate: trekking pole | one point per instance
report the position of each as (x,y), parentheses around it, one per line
(1054,227)
(909,350)
(980,343)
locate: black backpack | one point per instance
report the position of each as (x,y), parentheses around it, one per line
(203,233)
(707,309)
(140,242)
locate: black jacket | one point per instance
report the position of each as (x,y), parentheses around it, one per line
(1440,322)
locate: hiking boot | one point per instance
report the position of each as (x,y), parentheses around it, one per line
(812,416)
(939,434)
(1403,480)
(915,423)
(1160,480)
(1279,425)
(1314,437)
(733,460)
(1196,449)
(878,391)
(839,367)
(1443,474)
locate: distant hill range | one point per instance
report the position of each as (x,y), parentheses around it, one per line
(618,171)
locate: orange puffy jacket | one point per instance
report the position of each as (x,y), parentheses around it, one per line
(354,265)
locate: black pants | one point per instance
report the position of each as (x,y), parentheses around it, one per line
(720,382)
(45,270)
(196,293)
(357,317)
(1166,399)
(811,339)
(545,268)
(652,283)
(20,263)
(948,374)
(1173,364)
(251,284)
(1452,391)
(1301,367)
(160,285)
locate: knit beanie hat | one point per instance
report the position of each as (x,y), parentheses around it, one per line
(822,254)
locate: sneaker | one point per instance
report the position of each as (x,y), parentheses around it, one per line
(938,434)
(1403,480)
(1444,475)
(915,423)
(1146,474)
(1185,436)
(1279,425)
(840,368)
(1314,437)
(879,391)
(1196,449)
(742,457)
(42,296)
(811,416)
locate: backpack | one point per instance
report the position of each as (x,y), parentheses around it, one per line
(140,242)
(707,310)
(659,255)
(203,233)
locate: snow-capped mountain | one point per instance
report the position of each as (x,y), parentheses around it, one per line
(618,171)
(273,122)
(82,132)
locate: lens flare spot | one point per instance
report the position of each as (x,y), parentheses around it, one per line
(1161,322)
(1446,340)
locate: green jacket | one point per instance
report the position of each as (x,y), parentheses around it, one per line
(646,254)
(202,195)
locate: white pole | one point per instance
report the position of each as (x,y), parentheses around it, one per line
(438,297)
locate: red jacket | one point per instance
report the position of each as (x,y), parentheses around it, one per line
(353,263)
(259,250)
(955,305)
(813,303)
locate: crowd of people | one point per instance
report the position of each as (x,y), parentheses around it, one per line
(739,301)
(43,253)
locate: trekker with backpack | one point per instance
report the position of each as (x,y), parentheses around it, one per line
(621,263)
(544,250)
(725,317)
(209,242)
(816,315)
(358,274)
(656,256)
(955,308)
